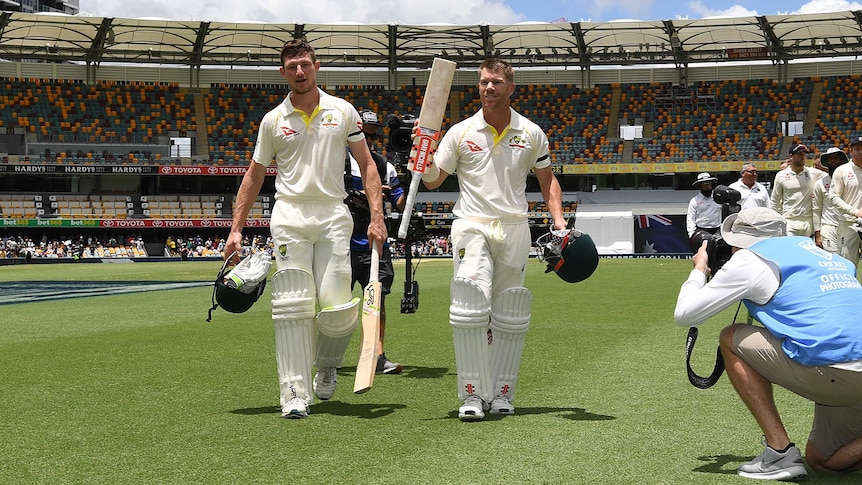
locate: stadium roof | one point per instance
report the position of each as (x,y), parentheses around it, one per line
(97,40)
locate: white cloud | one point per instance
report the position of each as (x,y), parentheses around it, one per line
(814,6)
(465,12)
(822,6)
(702,11)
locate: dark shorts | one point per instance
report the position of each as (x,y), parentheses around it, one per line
(360,265)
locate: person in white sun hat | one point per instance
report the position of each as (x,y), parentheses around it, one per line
(807,302)
(703,214)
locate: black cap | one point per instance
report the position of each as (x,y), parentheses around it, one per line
(799,147)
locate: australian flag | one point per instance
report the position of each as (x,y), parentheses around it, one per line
(660,234)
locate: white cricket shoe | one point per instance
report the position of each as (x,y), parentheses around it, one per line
(324,382)
(295,408)
(473,409)
(501,405)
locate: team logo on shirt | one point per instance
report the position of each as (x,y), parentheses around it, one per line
(461,253)
(474,147)
(282,250)
(329,120)
(287,131)
(517,141)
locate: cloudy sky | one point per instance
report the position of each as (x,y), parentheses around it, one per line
(467,12)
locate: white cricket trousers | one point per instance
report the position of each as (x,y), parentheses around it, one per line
(491,253)
(315,237)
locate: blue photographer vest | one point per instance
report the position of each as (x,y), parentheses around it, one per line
(817,309)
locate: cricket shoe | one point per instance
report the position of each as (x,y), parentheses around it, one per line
(385,366)
(501,405)
(294,408)
(473,409)
(324,382)
(773,465)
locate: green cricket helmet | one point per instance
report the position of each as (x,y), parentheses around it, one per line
(230,298)
(570,253)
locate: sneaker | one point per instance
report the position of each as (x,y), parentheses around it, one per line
(473,409)
(295,408)
(772,465)
(501,405)
(324,382)
(385,366)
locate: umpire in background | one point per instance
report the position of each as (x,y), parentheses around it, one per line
(808,302)
(360,250)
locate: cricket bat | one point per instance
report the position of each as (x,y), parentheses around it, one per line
(367,364)
(430,119)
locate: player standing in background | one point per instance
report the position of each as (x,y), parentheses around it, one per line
(492,153)
(793,191)
(827,217)
(846,194)
(360,249)
(307,134)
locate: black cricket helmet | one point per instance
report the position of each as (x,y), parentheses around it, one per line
(570,253)
(232,299)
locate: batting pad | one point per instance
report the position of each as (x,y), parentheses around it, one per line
(293,317)
(510,320)
(468,316)
(335,326)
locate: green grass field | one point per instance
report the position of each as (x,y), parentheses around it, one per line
(138,388)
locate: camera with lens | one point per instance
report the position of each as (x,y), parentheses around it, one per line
(400,137)
(717,249)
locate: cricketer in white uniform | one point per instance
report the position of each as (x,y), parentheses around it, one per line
(308,135)
(832,230)
(846,194)
(792,192)
(492,153)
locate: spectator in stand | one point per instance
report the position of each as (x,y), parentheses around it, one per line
(793,192)
(754,194)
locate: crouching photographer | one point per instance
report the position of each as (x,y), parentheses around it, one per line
(808,302)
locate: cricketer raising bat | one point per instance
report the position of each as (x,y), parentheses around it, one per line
(367,364)
(430,119)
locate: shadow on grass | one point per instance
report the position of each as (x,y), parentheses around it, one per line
(574,414)
(411,371)
(718,464)
(335,408)
(727,464)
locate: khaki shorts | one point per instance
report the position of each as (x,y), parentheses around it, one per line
(837,393)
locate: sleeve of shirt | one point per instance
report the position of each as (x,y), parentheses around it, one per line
(446,157)
(817,204)
(777,194)
(836,189)
(543,157)
(264,150)
(690,216)
(744,276)
(354,125)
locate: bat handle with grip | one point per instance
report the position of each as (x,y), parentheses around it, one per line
(408,205)
(374,273)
